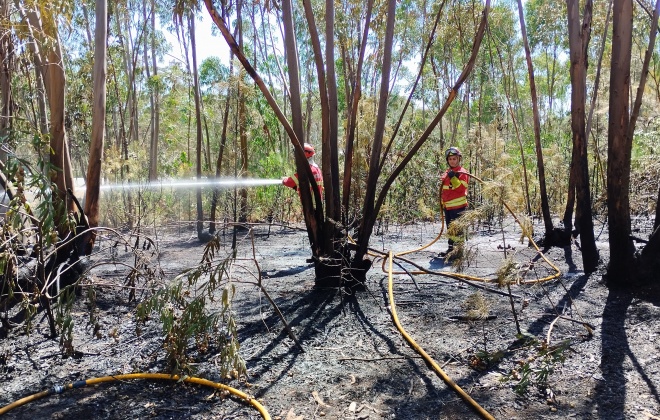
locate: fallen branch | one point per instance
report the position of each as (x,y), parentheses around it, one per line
(378,359)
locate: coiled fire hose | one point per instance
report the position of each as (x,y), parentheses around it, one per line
(58,389)
(466,397)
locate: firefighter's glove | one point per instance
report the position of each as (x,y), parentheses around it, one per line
(451,174)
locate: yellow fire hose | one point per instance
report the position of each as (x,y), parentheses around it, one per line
(58,389)
(483,413)
(390,257)
(553,276)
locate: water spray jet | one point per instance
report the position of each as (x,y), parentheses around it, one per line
(224,183)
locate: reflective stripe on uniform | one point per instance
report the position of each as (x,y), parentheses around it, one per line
(448,187)
(456,203)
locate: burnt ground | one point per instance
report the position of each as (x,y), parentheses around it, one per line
(355,364)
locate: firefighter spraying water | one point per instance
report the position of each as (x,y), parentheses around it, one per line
(292,181)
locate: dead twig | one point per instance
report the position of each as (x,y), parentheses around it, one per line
(378,359)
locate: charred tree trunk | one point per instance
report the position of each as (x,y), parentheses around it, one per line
(579,34)
(312,209)
(657,213)
(625,267)
(619,147)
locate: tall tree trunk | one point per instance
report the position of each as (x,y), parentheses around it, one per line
(130,56)
(242,122)
(32,23)
(579,34)
(514,121)
(93,181)
(657,212)
(329,163)
(649,259)
(221,151)
(326,165)
(570,202)
(59,157)
(198,125)
(306,172)
(6,64)
(594,96)
(619,147)
(154,97)
(88,31)
(331,147)
(623,264)
(545,207)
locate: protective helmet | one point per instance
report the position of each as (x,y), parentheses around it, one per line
(452,151)
(309,150)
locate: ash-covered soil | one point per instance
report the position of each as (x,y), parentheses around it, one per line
(602,360)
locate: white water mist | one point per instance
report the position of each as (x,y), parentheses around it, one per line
(215,182)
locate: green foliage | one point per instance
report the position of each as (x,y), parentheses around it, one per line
(64,320)
(482,360)
(212,72)
(546,24)
(536,369)
(30,230)
(189,314)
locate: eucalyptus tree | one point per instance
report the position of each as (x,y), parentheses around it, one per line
(198,126)
(185,25)
(579,33)
(129,53)
(545,208)
(212,72)
(150,50)
(37,90)
(43,26)
(93,178)
(626,267)
(575,165)
(7,63)
(333,255)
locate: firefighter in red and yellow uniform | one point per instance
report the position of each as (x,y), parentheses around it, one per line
(292,181)
(453,197)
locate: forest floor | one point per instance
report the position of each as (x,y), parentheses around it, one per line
(354,362)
